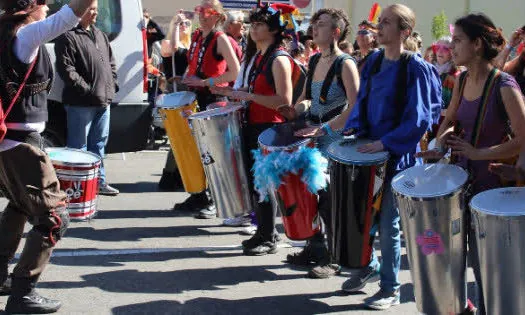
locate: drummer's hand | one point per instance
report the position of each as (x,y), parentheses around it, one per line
(462,148)
(242,96)
(194,82)
(507,172)
(226,90)
(374,147)
(430,154)
(310,132)
(287,111)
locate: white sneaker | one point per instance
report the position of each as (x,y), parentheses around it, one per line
(238,221)
(249,230)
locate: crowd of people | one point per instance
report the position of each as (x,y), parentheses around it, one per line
(378,86)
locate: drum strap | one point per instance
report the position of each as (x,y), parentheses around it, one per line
(482,110)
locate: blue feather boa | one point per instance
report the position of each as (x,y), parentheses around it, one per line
(268,170)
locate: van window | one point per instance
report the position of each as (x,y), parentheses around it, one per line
(109,18)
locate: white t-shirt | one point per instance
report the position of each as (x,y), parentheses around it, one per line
(28,39)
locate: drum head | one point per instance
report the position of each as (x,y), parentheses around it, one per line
(430,180)
(175,100)
(281,137)
(221,111)
(72,156)
(345,151)
(508,202)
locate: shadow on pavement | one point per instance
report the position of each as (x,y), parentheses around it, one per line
(120,260)
(138,187)
(285,304)
(135,214)
(138,233)
(172,282)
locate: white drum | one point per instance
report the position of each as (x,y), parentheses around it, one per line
(498,217)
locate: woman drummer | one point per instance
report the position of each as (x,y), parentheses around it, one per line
(174,51)
(211,62)
(325,114)
(476,42)
(264,99)
(398,100)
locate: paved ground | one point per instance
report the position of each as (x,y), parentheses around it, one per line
(138,257)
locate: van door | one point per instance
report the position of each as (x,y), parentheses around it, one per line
(130,111)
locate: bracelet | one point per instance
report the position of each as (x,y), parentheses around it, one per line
(211,81)
(509,47)
(329,131)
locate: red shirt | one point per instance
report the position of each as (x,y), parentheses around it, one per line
(212,66)
(259,114)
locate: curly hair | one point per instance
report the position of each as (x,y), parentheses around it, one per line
(339,18)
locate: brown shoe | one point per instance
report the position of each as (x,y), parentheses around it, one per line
(324,271)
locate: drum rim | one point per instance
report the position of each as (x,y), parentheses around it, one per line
(425,197)
(202,116)
(271,148)
(356,162)
(486,212)
(180,105)
(83,164)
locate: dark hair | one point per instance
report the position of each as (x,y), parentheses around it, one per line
(368,25)
(272,18)
(479,26)
(297,51)
(249,53)
(339,18)
(9,24)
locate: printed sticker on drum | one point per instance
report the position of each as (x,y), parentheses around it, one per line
(207,159)
(430,242)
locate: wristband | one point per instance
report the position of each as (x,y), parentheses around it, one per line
(211,82)
(329,131)
(509,47)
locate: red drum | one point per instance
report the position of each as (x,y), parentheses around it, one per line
(297,204)
(77,172)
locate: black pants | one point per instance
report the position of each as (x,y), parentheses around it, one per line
(265,213)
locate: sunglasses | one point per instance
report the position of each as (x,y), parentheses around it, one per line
(364,32)
(205,11)
(185,23)
(437,48)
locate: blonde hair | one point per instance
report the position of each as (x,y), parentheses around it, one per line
(217,6)
(184,38)
(407,17)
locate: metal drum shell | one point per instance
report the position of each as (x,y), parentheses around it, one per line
(218,133)
(435,230)
(500,241)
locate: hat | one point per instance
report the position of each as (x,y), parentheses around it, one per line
(12,6)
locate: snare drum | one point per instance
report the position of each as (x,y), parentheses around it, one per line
(498,217)
(430,199)
(298,206)
(356,188)
(174,109)
(78,173)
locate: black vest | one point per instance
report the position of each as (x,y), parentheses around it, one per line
(31,106)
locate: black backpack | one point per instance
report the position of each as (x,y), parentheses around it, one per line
(401,89)
(298,74)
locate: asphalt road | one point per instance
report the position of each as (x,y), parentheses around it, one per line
(138,257)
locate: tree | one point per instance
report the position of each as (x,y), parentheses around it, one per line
(439,26)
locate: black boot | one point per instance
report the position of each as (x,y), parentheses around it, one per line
(5,279)
(170,181)
(313,253)
(194,202)
(25,300)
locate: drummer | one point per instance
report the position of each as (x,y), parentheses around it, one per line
(476,42)
(264,99)
(330,26)
(211,62)
(394,112)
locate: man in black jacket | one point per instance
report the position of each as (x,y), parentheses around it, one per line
(85,62)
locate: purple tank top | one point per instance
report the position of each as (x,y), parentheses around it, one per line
(493,131)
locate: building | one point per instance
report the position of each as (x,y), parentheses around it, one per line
(507,14)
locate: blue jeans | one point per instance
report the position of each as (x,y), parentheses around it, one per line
(88,129)
(390,240)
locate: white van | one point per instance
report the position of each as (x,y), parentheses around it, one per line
(122,21)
